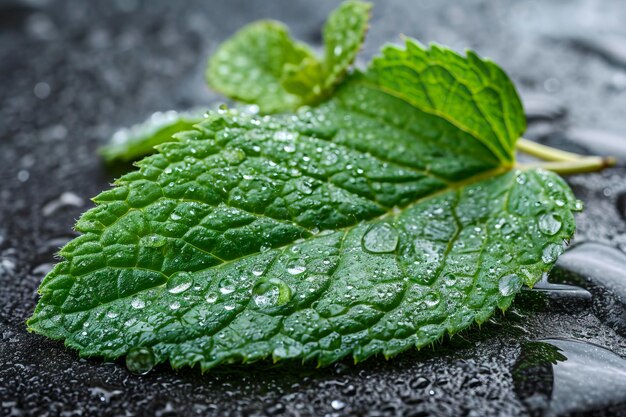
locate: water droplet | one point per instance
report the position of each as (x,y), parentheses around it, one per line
(138,303)
(304,186)
(509,285)
(296,269)
(290,148)
(175,305)
(175,216)
(140,360)
(579,205)
(337,404)
(550,223)
(229,308)
(153,241)
(179,282)
(227,290)
(380,238)
(234,156)
(271,292)
(550,252)
(112,314)
(449,279)
(431,299)
(211,298)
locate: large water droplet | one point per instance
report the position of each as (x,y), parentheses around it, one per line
(296,269)
(140,360)
(550,223)
(550,252)
(431,299)
(227,290)
(380,238)
(509,284)
(271,292)
(179,282)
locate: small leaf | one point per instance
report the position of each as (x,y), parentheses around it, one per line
(249,66)
(380,220)
(128,145)
(262,64)
(344,34)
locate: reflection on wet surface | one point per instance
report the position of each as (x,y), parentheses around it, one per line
(558,377)
(602,270)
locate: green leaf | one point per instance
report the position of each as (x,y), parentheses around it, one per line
(262,64)
(344,34)
(128,145)
(474,95)
(249,66)
(378,221)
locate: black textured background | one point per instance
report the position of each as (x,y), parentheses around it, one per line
(72,72)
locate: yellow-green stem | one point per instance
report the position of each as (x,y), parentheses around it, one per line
(579,166)
(546,152)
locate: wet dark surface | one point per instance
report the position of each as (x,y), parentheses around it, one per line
(73,72)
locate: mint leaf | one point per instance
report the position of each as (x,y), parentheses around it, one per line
(344,34)
(249,66)
(474,95)
(130,144)
(263,65)
(375,222)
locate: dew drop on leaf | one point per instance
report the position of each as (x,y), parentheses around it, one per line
(431,299)
(138,303)
(550,223)
(550,252)
(579,205)
(271,292)
(211,298)
(296,269)
(509,284)
(380,238)
(449,279)
(234,156)
(153,241)
(226,290)
(140,360)
(179,282)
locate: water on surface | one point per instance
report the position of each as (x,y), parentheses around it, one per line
(557,377)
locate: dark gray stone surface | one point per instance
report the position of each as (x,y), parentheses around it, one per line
(72,72)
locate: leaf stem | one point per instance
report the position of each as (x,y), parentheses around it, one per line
(579,166)
(546,153)
(562,162)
